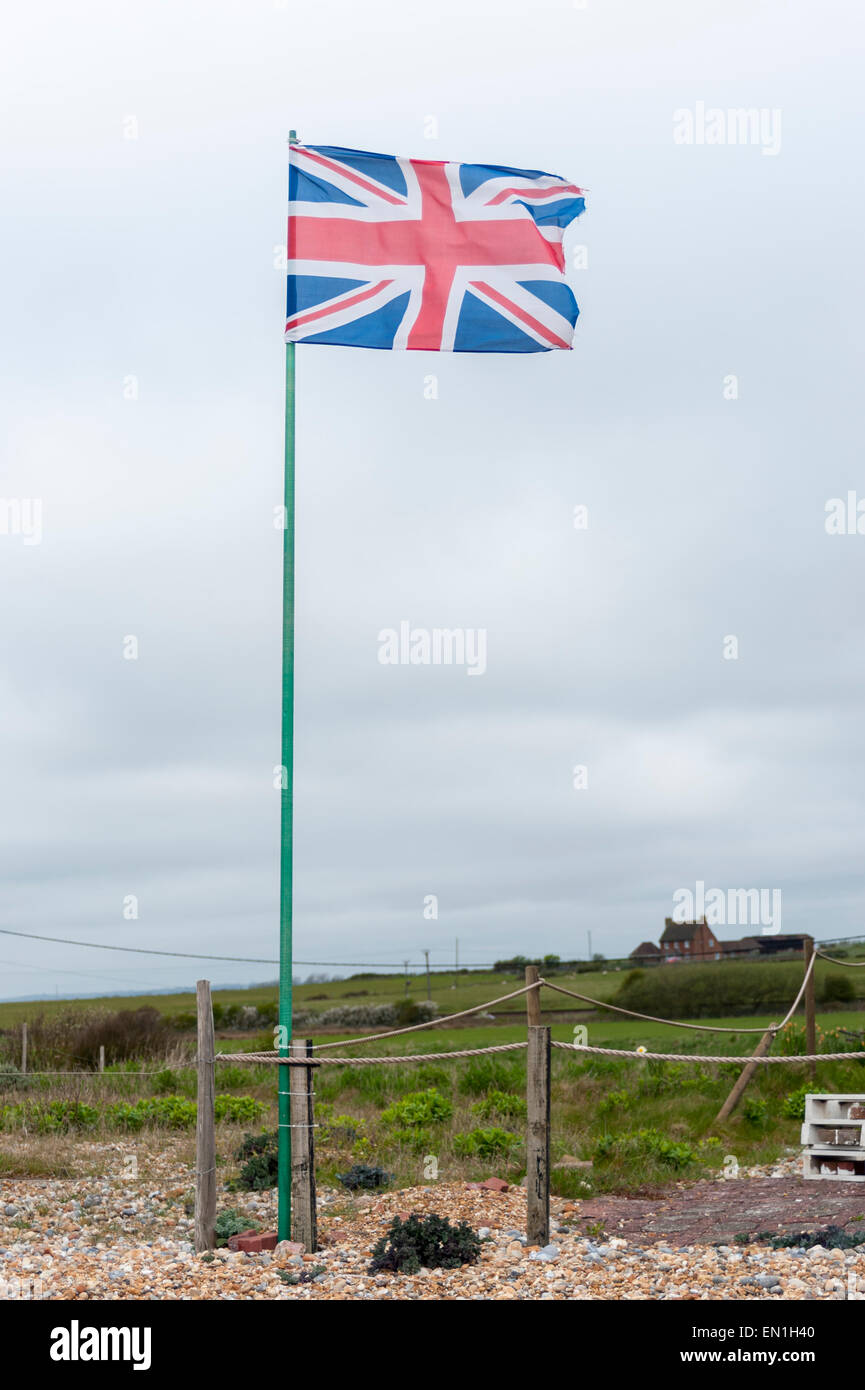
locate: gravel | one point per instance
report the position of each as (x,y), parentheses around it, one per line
(74,1239)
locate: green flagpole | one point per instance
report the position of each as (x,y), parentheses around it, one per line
(287,803)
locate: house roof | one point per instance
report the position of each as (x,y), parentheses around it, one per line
(745,943)
(680,931)
(646,948)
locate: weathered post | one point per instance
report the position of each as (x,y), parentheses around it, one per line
(808,949)
(538,1136)
(205,1124)
(533,998)
(305,1223)
(101,1058)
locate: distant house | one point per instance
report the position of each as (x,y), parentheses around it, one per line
(772,945)
(689,941)
(647,950)
(697,941)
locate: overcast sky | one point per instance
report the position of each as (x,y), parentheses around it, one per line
(153,258)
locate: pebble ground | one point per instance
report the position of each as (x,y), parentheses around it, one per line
(105,1239)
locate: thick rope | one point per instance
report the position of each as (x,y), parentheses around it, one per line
(642,1056)
(629,1054)
(432,1022)
(650,1018)
(365,1061)
(854,964)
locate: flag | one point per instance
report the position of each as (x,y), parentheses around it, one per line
(386,252)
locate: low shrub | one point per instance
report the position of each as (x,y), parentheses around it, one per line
(363,1176)
(500,1103)
(238,1110)
(614,1100)
(419,1140)
(165,1112)
(72,1039)
(338,1129)
(793,1104)
(692,990)
(259,1156)
(419,1108)
(484,1143)
(231,1223)
(755,1111)
(49,1117)
(649,1143)
(428,1242)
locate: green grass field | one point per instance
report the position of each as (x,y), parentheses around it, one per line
(643,1124)
(451,991)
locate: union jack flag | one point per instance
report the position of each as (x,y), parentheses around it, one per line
(386,252)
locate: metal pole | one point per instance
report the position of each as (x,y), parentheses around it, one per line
(205,1132)
(287,785)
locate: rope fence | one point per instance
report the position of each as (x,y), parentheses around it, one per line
(305,1059)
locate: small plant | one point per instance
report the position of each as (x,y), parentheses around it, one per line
(52,1117)
(646,1143)
(240,1110)
(756,1112)
(231,1223)
(419,1108)
(793,1105)
(419,1140)
(338,1129)
(614,1100)
(362,1175)
(501,1104)
(485,1143)
(425,1242)
(830,1237)
(259,1155)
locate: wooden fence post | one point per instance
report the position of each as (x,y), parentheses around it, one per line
(205,1124)
(810,1006)
(101,1058)
(24,1046)
(744,1077)
(533,998)
(538,1136)
(303,1208)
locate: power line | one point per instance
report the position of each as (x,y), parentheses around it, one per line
(194,955)
(268,960)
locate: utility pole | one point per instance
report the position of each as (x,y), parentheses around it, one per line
(428,991)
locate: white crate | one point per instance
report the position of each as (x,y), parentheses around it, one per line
(825,1108)
(815,1158)
(834,1134)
